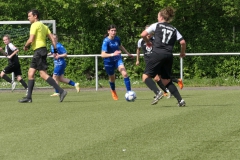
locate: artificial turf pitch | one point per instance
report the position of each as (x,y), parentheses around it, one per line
(91,126)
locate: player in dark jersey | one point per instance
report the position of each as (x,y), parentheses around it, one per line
(146,53)
(13,63)
(141,45)
(111,54)
(161,59)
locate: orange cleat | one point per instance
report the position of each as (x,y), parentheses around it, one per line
(165,94)
(114,95)
(180,83)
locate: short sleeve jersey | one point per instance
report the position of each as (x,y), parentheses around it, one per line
(61,50)
(165,36)
(40,31)
(9,49)
(145,49)
(110,46)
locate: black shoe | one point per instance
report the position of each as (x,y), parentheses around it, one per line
(157,98)
(62,95)
(25,100)
(182,103)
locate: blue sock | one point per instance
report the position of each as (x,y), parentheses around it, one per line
(71,83)
(56,91)
(127,83)
(112,85)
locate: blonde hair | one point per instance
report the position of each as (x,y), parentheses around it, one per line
(167,13)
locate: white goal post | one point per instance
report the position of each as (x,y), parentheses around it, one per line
(53,22)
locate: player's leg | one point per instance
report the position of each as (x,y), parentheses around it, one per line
(56,78)
(18,74)
(178,81)
(152,67)
(109,68)
(166,93)
(66,80)
(7,70)
(28,98)
(52,82)
(166,79)
(23,83)
(70,82)
(126,78)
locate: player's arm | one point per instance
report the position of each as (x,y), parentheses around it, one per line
(104,54)
(182,43)
(183,48)
(50,36)
(29,42)
(147,31)
(3,52)
(125,51)
(138,55)
(144,36)
(15,52)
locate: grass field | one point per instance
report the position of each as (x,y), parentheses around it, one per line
(91,126)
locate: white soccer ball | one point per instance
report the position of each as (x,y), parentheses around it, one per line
(130,96)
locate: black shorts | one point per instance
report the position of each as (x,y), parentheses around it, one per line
(39,60)
(15,68)
(159,64)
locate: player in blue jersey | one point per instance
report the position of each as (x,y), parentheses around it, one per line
(60,65)
(111,54)
(161,60)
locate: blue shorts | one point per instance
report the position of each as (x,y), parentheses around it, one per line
(111,66)
(59,69)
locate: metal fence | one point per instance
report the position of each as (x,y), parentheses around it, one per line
(97,56)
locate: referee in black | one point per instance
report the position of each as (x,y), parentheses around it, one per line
(161,59)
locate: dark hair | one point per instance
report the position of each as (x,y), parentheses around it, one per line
(35,13)
(109,28)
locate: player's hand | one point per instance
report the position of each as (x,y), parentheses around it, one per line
(1,49)
(56,55)
(129,55)
(25,48)
(149,44)
(117,52)
(137,63)
(182,55)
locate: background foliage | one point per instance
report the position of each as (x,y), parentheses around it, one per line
(207,26)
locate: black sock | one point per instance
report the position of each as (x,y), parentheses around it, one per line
(175,80)
(24,84)
(6,78)
(30,88)
(151,85)
(160,84)
(53,83)
(174,91)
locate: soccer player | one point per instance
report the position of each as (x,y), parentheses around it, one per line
(37,39)
(60,65)
(141,45)
(111,54)
(13,63)
(161,60)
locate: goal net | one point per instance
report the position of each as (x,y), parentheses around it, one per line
(19,33)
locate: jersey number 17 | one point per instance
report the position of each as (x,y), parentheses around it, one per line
(167,34)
